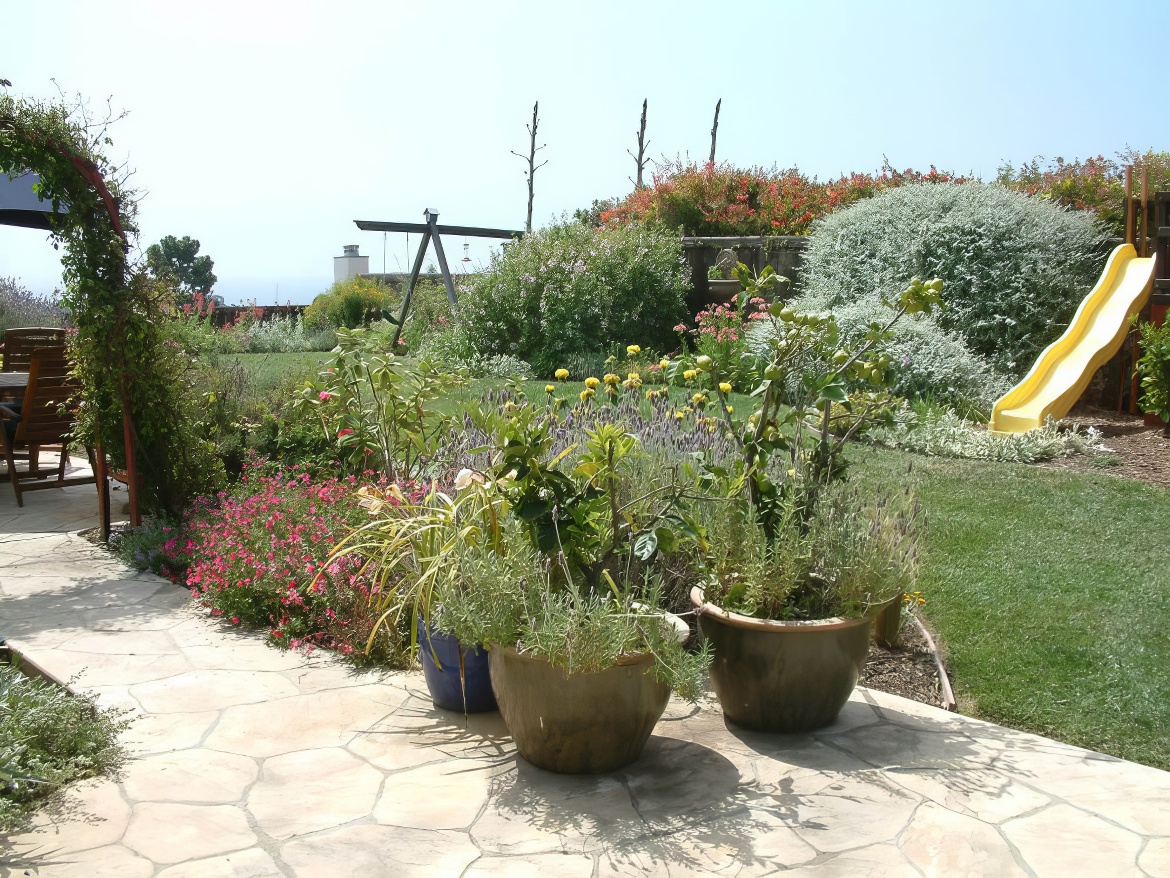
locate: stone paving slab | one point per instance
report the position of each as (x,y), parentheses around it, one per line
(250,762)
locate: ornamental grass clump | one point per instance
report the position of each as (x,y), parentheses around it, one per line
(259,556)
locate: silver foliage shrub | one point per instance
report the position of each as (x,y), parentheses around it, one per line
(287,334)
(942,433)
(1014,268)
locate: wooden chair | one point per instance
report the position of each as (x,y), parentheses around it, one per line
(19,345)
(41,422)
(18,348)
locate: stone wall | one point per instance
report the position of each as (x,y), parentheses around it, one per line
(783,252)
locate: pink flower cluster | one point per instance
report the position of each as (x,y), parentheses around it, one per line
(259,555)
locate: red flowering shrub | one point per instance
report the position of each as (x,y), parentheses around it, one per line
(1094,184)
(721,333)
(254,555)
(719,200)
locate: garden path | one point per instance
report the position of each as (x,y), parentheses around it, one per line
(252,762)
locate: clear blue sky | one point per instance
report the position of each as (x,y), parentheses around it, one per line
(263,130)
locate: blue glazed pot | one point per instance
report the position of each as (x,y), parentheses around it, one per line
(467,689)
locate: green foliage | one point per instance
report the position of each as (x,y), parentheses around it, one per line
(352,303)
(814,395)
(430,315)
(48,738)
(374,405)
(126,353)
(1015,268)
(927,361)
(177,260)
(510,600)
(569,290)
(453,350)
(1154,368)
(855,554)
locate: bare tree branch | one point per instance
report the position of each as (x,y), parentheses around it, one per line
(533,149)
(642,144)
(714,129)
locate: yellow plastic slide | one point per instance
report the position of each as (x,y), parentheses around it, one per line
(1067,365)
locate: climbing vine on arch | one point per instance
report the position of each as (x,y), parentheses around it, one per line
(127,355)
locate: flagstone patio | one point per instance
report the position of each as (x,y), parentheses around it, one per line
(251,762)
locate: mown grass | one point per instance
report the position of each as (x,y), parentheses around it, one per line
(1050,593)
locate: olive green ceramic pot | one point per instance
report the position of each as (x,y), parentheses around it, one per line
(782,676)
(577,723)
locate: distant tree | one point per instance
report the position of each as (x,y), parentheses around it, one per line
(178,260)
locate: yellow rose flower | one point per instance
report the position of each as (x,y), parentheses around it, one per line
(591,382)
(632,350)
(561,374)
(725,387)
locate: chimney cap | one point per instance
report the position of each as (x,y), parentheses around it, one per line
(350,249)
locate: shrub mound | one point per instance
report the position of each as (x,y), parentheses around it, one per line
(351,303)
(1014,268)
(570,291)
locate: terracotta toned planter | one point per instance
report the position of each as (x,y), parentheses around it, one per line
(782,676)
(577,723)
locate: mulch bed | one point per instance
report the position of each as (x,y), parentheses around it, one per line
(1131,449)
(907,670)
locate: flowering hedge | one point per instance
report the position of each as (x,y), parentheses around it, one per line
(257,556)
(1095,184)
(719,199)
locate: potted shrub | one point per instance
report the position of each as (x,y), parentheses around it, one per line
(410,550)
(582,659)
(800,565)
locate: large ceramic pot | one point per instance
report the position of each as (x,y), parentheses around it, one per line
(457,675)
(577,723)
(722,290)
(782,676)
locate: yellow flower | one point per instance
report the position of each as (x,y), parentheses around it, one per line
(548,388)
(587,394)
(561,374)
(634,376)
(689,375)
(664,362)
(632,350)
(680,414)
(612,380)
(699,400)
(591,382)
(725,387)
(730,410)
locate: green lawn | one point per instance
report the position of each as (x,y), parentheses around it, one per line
(1050,593)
